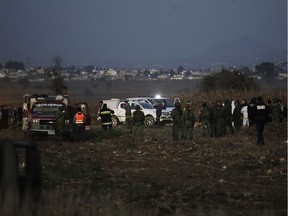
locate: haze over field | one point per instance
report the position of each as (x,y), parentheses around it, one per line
(150,32)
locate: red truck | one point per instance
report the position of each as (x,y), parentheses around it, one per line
(39,113)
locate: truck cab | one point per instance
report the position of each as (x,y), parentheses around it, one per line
(119,112)
(39,113)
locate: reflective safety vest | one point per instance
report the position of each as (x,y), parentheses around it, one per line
(106,117)
(79,118)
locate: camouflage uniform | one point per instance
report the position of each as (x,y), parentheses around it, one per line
(227,113)
(218,119)
(205,119)
(176,115)
(138,122)
(275,111)
(188,119)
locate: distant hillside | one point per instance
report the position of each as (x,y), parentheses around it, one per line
(243,49)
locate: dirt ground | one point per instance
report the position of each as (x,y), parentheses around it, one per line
(109,175)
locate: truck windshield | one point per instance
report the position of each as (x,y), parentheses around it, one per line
(146,105)
(168,102)
(47,107)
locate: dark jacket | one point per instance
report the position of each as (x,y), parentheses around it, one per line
(105,115)
(260,112)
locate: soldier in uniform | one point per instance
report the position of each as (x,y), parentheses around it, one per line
(128,113)
(275,111)
(176,115)
(237,116)
(60,125)
(138,124)
(188,119)
(205,120)
(218,119)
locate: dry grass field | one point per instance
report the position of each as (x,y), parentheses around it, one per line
(107,175)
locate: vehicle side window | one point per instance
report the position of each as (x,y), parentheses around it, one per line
(132,105)
(122,105)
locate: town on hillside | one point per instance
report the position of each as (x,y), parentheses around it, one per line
(16,71)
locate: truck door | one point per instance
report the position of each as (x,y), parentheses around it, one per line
(121,112)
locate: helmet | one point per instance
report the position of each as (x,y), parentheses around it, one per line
(188,104)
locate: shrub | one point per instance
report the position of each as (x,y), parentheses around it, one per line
(228,80)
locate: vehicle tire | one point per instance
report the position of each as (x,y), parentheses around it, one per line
(149,121)
(115,121)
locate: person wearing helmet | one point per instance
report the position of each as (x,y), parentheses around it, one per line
(138,122)
(106,119)
(188,119)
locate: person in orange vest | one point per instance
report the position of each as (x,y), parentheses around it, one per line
(79,121)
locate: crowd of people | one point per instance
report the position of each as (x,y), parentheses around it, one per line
(219,118)
(9,114)
(215,118)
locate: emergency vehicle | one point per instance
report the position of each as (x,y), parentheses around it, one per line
(39,113)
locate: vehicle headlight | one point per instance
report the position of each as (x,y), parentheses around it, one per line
(35,121)
(67,121)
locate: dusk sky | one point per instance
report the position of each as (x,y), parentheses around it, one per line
(125,30)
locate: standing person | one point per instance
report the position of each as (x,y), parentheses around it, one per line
(128,114)
(14,114)
(19,113)
(244,112)
(60,125)
(138,122)
(5,117)
(188,119)
(79,121)
(275,111)
(237,116)
(176,115)
(218,119)
(251,107)
(1,118)
(99,108)
(260,115)
(158,108)
(227,113)
(106,119)
(205,120)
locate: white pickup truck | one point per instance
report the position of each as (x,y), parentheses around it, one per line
(118,117)
(167,103)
